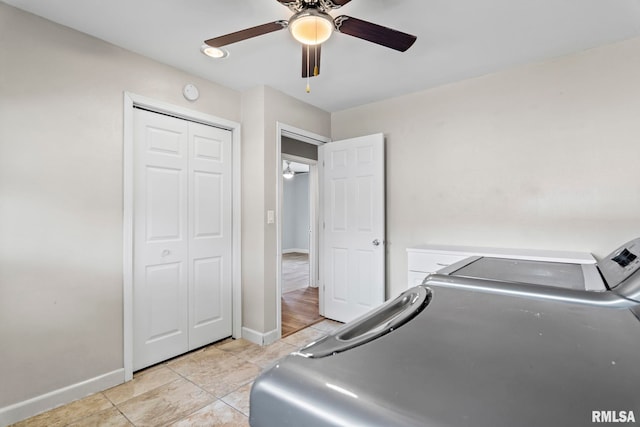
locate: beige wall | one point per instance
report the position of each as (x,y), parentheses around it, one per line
(542,156)
(61,148)
(284,109)
(253,215)
(267,107)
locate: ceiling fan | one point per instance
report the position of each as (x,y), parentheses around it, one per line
(312,25)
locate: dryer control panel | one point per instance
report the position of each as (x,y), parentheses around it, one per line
(621,265)
(624,258)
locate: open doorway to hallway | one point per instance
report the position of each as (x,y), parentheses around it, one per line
(301,299)
(299,289)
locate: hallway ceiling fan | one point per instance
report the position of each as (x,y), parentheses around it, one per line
(312,25)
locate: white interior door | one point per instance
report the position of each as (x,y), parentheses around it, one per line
(354,226)
(182,237)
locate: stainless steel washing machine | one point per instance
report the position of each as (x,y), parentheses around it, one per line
(491,343)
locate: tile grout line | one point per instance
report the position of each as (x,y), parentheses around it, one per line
(235,409)
(199,387)
(211,394)
(222,398)
(118,409)
(76,420)
(187,415)
(138,396)
(125,417)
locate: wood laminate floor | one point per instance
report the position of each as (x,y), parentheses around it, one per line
(299,310)
(299,301)
(295,271)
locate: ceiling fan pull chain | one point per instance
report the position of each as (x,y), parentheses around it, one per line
(315,55)
(315,66)
(308,70)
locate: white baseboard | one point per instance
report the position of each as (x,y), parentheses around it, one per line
(28,408)
(258,337)
(295,250)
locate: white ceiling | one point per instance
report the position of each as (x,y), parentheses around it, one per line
(457,39)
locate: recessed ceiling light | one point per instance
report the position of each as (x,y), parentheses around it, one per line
(214,52)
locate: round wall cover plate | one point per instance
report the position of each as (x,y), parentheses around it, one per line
(190,92)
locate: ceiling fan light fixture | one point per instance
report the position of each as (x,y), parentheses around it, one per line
(311,27)
(288,172)
(214,52)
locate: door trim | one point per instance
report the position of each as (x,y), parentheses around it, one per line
(309,138)
(132,100)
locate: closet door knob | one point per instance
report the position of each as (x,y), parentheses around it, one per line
(376,242)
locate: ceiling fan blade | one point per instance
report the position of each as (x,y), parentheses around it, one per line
(246,34)
(374,33)
(334,4)
(294,5)
(310,60)
(298,5)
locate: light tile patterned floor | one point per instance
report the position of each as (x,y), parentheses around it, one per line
(208,387)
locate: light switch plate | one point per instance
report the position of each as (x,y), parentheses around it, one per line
(271,217)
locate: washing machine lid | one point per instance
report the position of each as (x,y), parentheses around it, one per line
(619,271)
(554,274)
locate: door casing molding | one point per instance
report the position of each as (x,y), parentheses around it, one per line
(132,100)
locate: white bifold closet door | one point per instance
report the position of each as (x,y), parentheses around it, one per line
(182,236)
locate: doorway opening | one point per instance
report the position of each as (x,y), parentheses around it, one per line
(296,226)
(299,289)
(298,283)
